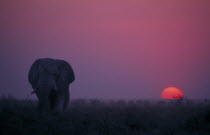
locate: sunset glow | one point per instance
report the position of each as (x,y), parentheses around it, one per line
(117,48)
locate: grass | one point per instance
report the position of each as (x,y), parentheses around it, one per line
(96,117)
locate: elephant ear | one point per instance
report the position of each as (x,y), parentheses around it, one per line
(66,73)
(40,66)
(32,75)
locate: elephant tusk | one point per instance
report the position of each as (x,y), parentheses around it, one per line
(33,92)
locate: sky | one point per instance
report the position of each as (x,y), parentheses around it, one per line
(119,49)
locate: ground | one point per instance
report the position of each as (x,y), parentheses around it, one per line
(97,117)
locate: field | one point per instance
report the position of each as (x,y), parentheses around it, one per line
(97,117)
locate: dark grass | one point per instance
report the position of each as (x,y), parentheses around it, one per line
(96,117)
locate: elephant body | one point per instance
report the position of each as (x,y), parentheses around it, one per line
(50,79)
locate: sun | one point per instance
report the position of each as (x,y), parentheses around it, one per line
(171,93)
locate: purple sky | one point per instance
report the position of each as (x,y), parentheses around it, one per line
(118,48)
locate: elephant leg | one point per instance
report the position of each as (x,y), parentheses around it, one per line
(66,99)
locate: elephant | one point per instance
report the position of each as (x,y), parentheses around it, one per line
(50,79)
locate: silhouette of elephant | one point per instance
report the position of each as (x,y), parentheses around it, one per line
(50,79)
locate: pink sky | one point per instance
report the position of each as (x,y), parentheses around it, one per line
(118,48)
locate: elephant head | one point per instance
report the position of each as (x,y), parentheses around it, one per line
(50,80)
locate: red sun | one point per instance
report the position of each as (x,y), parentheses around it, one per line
(171,93)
